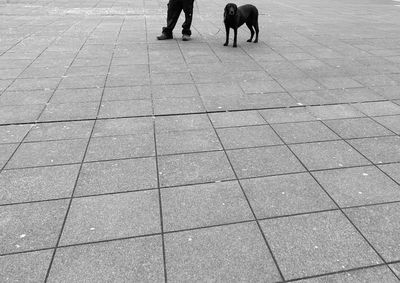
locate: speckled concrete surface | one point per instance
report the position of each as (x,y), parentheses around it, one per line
(127,159)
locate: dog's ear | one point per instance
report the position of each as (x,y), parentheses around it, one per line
(225,11)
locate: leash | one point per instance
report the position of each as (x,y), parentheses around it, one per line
(198,11)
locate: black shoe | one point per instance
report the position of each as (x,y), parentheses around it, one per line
(164,36)
(185,37)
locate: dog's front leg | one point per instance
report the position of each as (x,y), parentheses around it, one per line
(227,35)
(235,37)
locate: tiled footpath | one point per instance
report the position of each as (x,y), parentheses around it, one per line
(131,160)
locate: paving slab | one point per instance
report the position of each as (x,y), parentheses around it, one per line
(357,128)
(226,253)
(285,195)
(31,226)
(379,150)
(204,205)
(302,132)
(254,136)
(319,238)
(328,155)
(60,131)
(13,133)
(33,184)
(379,224)
(117,147)
(48,153)
(287,115)
(138,260)
(69,111)
(373,274)
(20,113)
(117,176)
(393,170)
(192,168)
(236,119)
(264,161)
(25,267)
(358,186)
(187,141)
(390,122)
(111,217)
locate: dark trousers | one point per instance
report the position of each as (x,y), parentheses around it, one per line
(175,8)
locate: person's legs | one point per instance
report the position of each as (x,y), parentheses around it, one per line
(188,10)
(174,10)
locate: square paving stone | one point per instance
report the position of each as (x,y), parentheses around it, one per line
(220,254)
(76,95)
(264,161)
(193,168)
(187,141)
(379,150)
(37,183)
(254,136)
(82,82)
(393,170)
(236,119)
(285,195)
(372,274)
(48,153)
(123,126)
(6,151)
(31,226)
(117,147)
(287,115)
(171,78)
(34,84)
(132,260)
(70,111)
(390,122)
(327,112)
(261,86)
(111,217)
(299,84)
(396,268)
(357,128)
(125,108)
(204,205)
(178,105)
(304,132)
(13,133)
(25,97)
(378,108)
(20,114)
(327,240)
(117,176)
(60,131)
(180,90)
(25,267)
(327,155)
(127,93)
(182,123)
(358,186)
(338,82)
(380,225)
(389,92)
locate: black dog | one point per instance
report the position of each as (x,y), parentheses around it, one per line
(235,16)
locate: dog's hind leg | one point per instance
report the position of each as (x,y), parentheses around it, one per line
(251,30)
(256,28)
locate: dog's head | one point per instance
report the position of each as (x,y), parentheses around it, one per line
(230,10)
